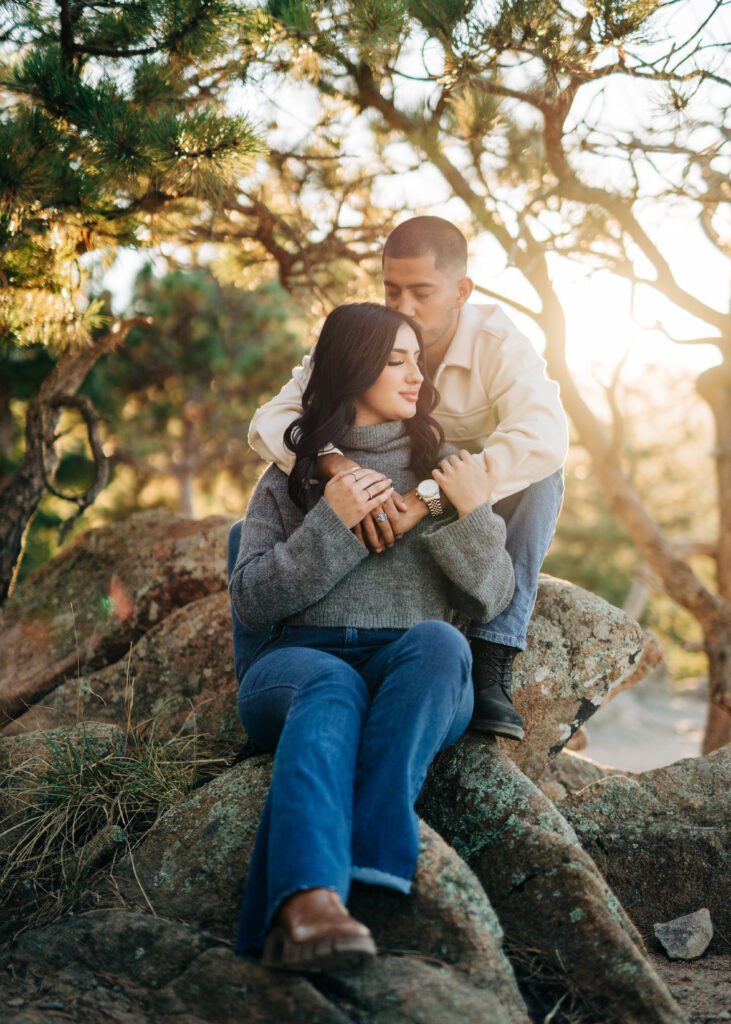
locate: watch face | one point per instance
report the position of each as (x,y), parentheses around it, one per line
(428,489)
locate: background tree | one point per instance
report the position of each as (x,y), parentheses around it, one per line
(512,110)
(178,397)
(109,121)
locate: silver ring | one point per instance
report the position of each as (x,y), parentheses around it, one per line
(353,473)
(381,517)
(368,492)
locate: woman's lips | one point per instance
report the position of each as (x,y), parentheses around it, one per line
(410,396)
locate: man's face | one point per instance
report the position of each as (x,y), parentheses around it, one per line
(432,297)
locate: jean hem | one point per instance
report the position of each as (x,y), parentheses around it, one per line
(374,876)
(480,633)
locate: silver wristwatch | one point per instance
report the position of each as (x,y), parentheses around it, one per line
(428,491)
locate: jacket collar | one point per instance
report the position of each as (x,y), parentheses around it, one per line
(461,351)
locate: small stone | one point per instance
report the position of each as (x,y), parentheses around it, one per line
(55,1004)
(687,937)
(15,1001)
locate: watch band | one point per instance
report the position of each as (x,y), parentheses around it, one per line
(434,505)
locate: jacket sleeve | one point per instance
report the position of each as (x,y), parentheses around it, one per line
(277,575)
(266,431)
(530,441)
(471,552)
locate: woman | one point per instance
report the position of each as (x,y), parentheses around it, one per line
(362,680)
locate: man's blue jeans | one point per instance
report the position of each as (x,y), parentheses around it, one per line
(356,717)
(530,520)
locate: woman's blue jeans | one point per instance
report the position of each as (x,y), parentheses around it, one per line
(355,717)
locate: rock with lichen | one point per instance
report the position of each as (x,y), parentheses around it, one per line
(82,610)
(177,677)
(570,772)
(580,651)
(122,966)
(662,838)
(547,892)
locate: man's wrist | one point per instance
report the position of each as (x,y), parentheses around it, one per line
(328,465)
(415,503)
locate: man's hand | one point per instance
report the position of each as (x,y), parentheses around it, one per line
(402,512)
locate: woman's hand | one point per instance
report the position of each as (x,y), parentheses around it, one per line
(353,493)
(465,482)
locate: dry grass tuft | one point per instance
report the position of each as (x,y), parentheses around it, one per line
(547,990)
(85,797)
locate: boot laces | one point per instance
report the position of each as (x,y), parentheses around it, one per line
(499,670)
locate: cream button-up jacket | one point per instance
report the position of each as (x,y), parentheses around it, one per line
(494,397)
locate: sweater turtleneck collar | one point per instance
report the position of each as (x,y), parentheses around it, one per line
(376,437)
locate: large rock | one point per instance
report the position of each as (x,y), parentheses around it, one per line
(192,865)
(580,651)
(570,772)
(662,838)
(130,967)
(547,892)
(82,610)
(177,677)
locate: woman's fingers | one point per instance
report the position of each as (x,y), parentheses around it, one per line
(384,523)
(372,538)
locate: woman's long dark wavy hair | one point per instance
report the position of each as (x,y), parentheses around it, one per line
(352,350)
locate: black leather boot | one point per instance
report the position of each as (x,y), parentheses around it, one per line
(492,674)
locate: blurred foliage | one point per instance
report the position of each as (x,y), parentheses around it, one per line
(104,125)
(666,444)
(176,401)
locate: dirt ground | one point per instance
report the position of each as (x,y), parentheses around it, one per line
(702,987)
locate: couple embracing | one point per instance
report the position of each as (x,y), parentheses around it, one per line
(382,582)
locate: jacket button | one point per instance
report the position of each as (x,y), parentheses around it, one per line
(460,431)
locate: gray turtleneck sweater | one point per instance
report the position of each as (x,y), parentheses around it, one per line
(310,569)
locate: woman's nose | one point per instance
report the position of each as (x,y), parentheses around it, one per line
(415,375)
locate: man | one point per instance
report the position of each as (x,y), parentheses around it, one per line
(494,398)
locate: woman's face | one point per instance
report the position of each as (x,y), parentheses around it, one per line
(394,394)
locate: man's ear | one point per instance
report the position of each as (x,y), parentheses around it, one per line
(465,287)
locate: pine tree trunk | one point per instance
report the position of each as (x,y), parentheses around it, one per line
(24,491)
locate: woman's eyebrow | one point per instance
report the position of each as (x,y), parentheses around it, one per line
(407,351)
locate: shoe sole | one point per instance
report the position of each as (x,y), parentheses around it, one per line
(338,952)
(510,732)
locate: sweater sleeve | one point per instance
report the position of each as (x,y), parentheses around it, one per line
(277,575)
(531,438)
(266,431)
(471,553)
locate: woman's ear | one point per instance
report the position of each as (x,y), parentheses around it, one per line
(465,287)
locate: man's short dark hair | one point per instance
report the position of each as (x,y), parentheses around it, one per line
(424,236)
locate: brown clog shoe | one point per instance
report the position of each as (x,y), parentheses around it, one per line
(313,931)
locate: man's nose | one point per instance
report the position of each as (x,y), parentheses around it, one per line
(405,305)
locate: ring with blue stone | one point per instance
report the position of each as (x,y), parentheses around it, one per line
(381,517)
